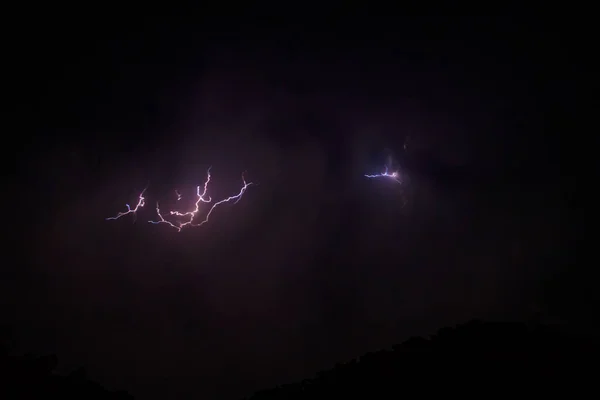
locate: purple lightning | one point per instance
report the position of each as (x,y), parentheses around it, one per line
(201,198)
(394,175)
(162,220)
(237,198)
(140,204)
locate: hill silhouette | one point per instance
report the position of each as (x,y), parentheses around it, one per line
(474,358)
(29,377)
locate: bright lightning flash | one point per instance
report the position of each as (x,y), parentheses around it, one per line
(386,174)
(236,198)
(201,198)
(140,204)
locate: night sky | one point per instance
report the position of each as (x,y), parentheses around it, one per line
(316,264)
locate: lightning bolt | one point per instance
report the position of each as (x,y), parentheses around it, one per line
(140,204)
(386,174)
(202,197)
(162,220)
(178,195)
(235,200)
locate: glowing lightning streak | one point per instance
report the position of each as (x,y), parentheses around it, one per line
(191,214)
(202,197)
(237,198)
(140,204)
(394,175)
(163,221)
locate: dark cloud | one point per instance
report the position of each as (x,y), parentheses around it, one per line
(316,264)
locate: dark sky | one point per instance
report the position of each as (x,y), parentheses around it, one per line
(316,264)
